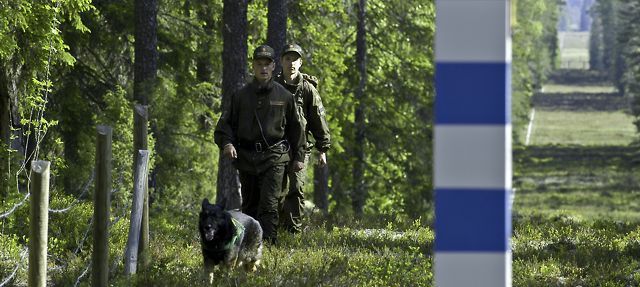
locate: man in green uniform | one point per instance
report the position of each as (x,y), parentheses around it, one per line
(261,131)
(310,106)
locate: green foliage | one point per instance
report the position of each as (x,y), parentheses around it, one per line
(118,115)
(604,49)
(629,42)
(564,251)
(31,46)
(187,156)
(535,51)
(12,256)
(615,46)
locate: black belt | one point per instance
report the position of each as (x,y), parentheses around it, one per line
(259,146)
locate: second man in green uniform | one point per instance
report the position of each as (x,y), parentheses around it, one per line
(310,107)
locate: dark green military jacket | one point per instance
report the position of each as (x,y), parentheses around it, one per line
(310,106)
(278,116)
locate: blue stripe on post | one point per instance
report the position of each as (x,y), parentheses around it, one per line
(473,93)
(472,220)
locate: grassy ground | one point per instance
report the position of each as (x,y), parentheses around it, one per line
(582,128)
(576,222)
(574,53)
(576,213)
(567,89)
(576,216)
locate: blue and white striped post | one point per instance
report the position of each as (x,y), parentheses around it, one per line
(472,149)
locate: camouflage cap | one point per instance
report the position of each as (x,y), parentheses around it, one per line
(292,48)
(264,52)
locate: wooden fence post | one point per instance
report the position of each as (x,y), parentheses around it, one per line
(102,202)
(39,223)
(140,142)
(140,179)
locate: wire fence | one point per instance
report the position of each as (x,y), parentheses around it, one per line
(23,255)
(35,130)
(85,187)
(15,207)
(75,201)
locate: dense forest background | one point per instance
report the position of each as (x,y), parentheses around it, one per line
(67,66)
(615,47)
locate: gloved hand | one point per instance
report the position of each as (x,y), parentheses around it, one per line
(230,151)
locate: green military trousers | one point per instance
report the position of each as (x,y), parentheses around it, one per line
(293,203)
(260,196)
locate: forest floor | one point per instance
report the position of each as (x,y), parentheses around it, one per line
(576,213)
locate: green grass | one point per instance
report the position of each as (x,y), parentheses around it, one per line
(574,54)
(576,216)
(566,89)
(610,205)
(325,254)
(581,128)
(574,50)
(574,40)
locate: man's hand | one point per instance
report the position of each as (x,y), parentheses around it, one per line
(297,165)
(322,159)
(230,151)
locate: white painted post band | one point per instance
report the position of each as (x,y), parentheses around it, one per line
(472,143)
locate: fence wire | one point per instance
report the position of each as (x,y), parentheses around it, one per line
(23,254)
(13,209)
(78,249)
(82,274)
(75,201)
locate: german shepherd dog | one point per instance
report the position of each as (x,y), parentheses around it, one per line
(229,237)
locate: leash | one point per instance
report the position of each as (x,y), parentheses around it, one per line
(270,146)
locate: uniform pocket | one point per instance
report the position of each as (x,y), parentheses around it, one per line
(277,117)
(277,109)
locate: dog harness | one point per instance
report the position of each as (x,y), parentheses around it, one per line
(237,235)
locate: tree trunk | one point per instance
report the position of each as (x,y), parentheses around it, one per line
(204,59)
(5,120)
(145,70)
(321,187)
(234,62)
(5,133)
(359,192)
(277,27)
(12,82)
(146,54)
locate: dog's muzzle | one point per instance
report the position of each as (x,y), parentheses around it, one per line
(209,233)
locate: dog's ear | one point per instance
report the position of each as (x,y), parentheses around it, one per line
(205,203)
